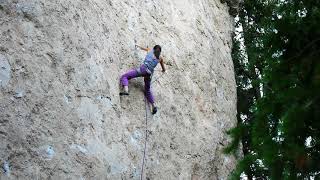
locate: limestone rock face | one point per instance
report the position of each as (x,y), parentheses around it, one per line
(61,116)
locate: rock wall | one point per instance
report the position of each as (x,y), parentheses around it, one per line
(60,113)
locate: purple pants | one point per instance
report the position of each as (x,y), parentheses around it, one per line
(140,72)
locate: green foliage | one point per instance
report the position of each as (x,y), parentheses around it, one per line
(277,65)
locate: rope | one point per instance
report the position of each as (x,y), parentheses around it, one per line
(146,137)
(145,141)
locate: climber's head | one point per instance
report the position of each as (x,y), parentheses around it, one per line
(157,51)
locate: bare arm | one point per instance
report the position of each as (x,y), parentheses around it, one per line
(142,48)
(162,64)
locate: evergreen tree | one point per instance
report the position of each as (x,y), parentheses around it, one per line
(278,86)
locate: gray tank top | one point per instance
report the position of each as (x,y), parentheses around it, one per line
(151,61)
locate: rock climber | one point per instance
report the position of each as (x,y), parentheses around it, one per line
(145,70)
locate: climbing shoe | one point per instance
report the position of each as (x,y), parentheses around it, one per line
(154,110)
(124,94)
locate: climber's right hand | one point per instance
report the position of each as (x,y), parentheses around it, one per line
(137,46)
(142,48)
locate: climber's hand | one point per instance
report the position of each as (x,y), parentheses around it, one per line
(162,65)
(142,48)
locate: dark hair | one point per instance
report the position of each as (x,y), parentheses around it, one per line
(157,47)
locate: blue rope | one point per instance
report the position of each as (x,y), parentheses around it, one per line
(146,139)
